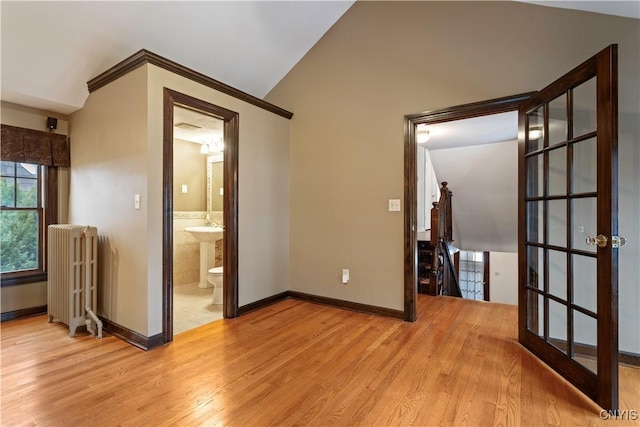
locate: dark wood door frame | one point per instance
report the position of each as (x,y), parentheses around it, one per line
(230,205)
(466,111)
(486,276)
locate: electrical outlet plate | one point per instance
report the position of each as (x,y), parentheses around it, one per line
(394,205)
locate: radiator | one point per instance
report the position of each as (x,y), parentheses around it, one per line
(72,263)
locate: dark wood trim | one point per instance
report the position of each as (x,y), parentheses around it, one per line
(132,337)
(607,224)
(348,305)
(230,204)
(167,216)
(526,308)
(410,223)
(230,214)
(628,358)
(465,111)
(486,275)
(456,262)
(144,56)
(23,278)
(50,209)
(23,312)
(257,305)
(333,302)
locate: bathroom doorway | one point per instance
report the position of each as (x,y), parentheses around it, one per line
(200,213)
(198,226)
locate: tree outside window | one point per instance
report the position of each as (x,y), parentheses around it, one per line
(21,217)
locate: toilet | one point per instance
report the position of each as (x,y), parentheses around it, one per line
(215,277)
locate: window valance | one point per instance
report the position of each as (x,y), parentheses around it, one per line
(34,146)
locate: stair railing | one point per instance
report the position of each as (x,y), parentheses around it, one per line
(442,223)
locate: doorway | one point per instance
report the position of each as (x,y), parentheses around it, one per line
(461,112)
(198,226)
(567,187)
(229,192)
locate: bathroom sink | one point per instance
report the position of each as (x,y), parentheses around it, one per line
(205,234)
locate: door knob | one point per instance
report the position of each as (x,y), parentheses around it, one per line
(600,241)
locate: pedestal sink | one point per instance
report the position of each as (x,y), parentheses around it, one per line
(206,236)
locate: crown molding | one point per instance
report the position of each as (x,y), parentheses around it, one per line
(144,56)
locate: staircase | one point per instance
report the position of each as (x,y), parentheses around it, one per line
(437,274)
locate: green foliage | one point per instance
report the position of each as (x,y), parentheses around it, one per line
(18,229)
(18,241)
(6,192)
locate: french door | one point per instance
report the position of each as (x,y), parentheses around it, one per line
(568,227)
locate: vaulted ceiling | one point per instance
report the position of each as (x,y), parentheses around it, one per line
(51,49)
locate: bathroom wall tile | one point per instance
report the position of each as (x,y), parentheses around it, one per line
(219,253)
(186,249)
(192,276)
(179,279)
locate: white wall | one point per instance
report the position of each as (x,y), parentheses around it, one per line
(503,277)
(109,166)
(484,182)
(428,188)
(421,187)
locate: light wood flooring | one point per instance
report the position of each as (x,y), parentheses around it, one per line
(297,363)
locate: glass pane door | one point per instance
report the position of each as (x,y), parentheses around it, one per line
(568,214)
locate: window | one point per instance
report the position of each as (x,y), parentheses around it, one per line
(22,222)
(473,275)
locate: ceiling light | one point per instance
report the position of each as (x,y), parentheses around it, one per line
(217,146)
(422,136)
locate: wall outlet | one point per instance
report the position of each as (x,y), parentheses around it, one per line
(345,276)
(185,189)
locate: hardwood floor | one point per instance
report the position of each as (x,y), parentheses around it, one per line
(297,363)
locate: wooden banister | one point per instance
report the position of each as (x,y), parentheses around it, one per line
(435,221)
(441,237)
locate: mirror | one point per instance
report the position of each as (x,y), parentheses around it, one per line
(215,182)
(197,162)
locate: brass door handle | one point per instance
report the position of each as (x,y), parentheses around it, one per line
(600,241)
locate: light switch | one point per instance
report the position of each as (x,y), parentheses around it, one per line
(184,189)
(222,191)
(394,205)
(136,201)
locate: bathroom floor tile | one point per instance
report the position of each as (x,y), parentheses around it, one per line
(192,307)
